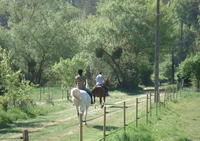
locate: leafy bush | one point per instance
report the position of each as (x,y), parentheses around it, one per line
(190,68)
(11,115)
(4,103)
(4,118)
(15,89)
(66,69)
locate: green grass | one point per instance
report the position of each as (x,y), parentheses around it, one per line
(55,126)
(180,121)
(61,111)
(43,105)
(13,114)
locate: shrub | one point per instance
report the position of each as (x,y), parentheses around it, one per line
(15,89)
(190,68)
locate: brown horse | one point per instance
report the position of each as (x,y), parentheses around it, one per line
(101,92)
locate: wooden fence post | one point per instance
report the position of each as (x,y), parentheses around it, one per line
(25,135)
(81,127)
(150,105)
(136,112)
(104,125)
(160,104)
(124,115)
(40,93)
(62,91)
(157,108)
(147,108)
(43,90)
(174,94)
(170,96)
(164,98)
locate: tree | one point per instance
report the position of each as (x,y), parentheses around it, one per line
(125,29)
(41,34)
(186,12)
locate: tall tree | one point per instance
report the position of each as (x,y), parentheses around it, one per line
(41,34)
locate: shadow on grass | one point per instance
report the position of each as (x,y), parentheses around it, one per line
(29,124)
(4,125)
(8,128)
(116,106)
(109,105)
(108,128)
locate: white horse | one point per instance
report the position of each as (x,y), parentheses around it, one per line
(81,100)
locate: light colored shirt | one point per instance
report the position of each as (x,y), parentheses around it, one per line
(99,79)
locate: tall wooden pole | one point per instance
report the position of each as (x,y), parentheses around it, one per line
(104,125)
(136,112)
(124,115)
(81,127)
(157,51)
(150,105)
(147,108)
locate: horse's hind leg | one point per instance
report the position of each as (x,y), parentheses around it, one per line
(104,100)
(77,111)
(94,98)
(94,101)
(86,115)
(101,102)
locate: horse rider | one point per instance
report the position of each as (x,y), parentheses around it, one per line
(81,83)
(100,79)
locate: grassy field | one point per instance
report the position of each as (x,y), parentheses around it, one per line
(180,121)
(61,123)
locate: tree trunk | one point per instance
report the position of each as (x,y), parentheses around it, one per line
(40,70)
(117,70)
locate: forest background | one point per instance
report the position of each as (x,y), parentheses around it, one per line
(45,42)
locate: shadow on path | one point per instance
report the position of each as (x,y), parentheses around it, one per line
(108,128)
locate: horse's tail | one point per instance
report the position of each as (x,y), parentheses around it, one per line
(75,93)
